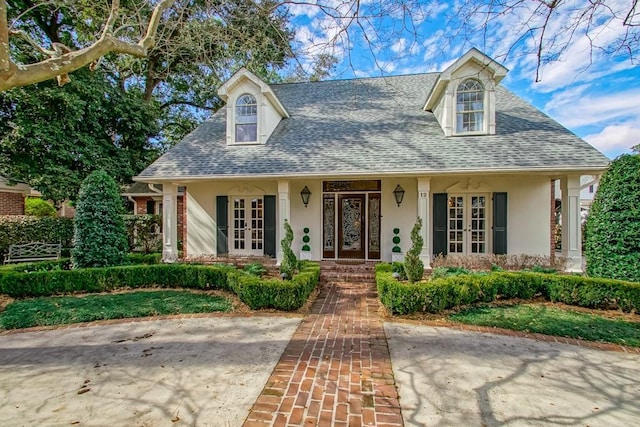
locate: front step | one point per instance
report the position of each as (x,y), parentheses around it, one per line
(331,271)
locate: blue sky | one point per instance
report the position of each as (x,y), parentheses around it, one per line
(590,88)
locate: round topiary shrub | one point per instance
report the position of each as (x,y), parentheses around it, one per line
(100,234)
(35,206)
(612,246)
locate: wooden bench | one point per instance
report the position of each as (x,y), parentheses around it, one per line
(29,252)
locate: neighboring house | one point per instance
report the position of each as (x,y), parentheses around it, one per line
(12,197)
(354,159)
(147,199)
(588,188)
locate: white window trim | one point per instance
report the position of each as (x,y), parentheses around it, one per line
(485,110)
(231,120)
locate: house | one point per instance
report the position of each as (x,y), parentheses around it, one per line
(146,199)
(12,197)
(351,160)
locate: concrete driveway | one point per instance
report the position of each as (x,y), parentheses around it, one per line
(203,371)
(447,377)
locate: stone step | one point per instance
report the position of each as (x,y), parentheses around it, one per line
(335,276)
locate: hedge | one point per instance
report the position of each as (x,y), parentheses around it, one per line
(440,294)
(46,283)
(27,229)
(286,295)
(49,278)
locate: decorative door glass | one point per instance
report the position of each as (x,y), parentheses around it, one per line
(328,221)
(351,224)
(374,226)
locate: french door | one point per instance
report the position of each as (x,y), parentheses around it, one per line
(468,217)
(247,232)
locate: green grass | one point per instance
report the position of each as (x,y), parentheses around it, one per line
(63,310)
(553,321)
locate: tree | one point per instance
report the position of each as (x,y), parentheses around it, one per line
(52,138)
(413,265)
(612,247)
(100,234)
(60,60)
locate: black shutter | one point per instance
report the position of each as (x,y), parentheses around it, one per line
(439,224)
(270,226)
(499,223)
(222,221)
(151,207)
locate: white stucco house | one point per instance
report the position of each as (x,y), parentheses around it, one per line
(353,159)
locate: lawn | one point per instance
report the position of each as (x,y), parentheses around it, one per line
(70,309)
(548,320)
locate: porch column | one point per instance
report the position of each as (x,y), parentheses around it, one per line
(424,192)
(169,223)
(571,222)
(284,212)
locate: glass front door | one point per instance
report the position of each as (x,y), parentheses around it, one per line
(351,226)
(468,217)
(248,226)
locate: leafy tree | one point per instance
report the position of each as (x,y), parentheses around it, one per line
(52,138)
(413,265)
(100,234)
(289,263)
(613,226)
(35,206)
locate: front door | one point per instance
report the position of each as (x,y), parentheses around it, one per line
(468,220)
(351,226)
(247,215)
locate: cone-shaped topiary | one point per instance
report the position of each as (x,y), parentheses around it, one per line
(100,234)
(612,246)
(413,265)
(289,262)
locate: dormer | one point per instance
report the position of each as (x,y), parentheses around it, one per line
(463,98)
(253,109)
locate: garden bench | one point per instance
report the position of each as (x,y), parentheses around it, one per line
(33,252)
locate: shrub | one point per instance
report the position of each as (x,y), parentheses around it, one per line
(100,234)
(413,265)
(398,267)
(289,262)
(275,293)
(440,294)
(255,269)
(143,232)
(440,272)
(46,283)
(35,206)
(613,230)
(27,229)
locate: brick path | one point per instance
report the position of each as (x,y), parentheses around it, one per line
(336,370)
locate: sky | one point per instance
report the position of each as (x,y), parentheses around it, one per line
(589,79)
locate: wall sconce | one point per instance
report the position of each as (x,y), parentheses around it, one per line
(398,193)
(305,193)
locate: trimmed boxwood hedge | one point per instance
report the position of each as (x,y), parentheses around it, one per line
(274,293)
(440,294)
(45,283)
(38,279)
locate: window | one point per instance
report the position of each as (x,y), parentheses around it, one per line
(591,189)
(470,107)
(246,119)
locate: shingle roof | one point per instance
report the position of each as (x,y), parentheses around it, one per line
(374,126)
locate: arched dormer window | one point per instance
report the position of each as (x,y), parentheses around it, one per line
(470,107)
(246,119)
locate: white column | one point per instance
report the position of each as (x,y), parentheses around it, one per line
(424,193)
(284,212)
(571,222)
(169,223)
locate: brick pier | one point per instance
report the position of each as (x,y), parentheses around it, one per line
(336,370)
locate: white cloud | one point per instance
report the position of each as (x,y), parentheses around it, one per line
(576,107)
(615,139)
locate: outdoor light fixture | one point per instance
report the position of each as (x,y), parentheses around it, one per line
(305,193)
(398,193)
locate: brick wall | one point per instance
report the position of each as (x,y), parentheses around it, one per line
(11,203)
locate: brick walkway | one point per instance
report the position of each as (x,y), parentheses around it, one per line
(336,370)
